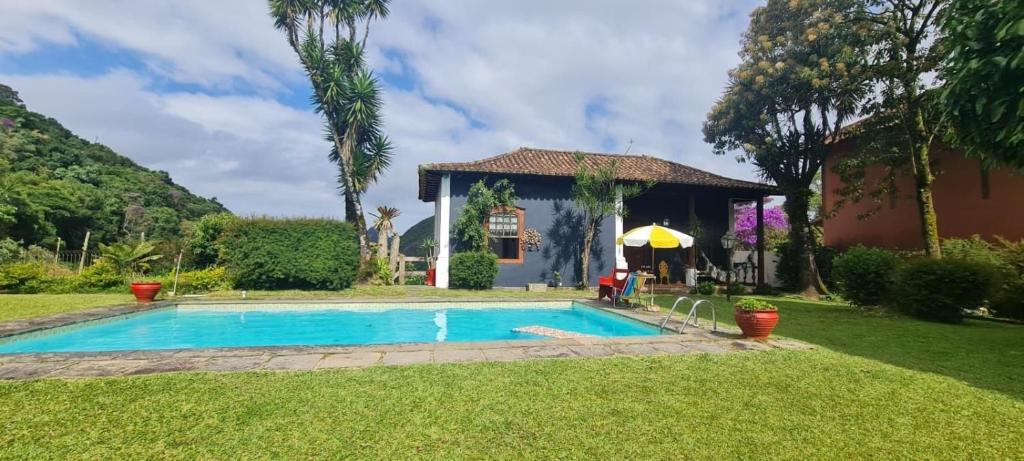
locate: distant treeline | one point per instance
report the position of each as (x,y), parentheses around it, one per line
(55,184)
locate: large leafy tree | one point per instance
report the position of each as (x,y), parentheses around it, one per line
(596,193)
(329,37)
(900,124)
(983,71)
(801,77)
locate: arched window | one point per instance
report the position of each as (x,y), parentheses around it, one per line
(505,230)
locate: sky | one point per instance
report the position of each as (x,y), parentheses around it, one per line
(210,92)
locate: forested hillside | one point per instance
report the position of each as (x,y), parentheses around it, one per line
(53,183)
(412,239)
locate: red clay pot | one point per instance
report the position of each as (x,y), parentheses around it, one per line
(757,324)
(145,291)
(431,273)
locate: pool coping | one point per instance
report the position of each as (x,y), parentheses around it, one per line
(305,358)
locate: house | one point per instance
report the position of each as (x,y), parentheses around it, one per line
(543,180)
(968,200)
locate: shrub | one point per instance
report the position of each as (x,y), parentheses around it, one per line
(474,270)
(307,254)
(380,272)
(198,281)
(1009,301)
(9,250)
(416,280)
(706,288)
(972,249)
(202,241)
(736,288)
(101,276)
(940,289)
(27,277)
(864,275)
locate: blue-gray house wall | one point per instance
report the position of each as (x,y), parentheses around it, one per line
(548,208)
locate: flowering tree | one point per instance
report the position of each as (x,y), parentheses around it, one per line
(776,225)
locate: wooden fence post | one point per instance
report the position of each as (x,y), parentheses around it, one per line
(85,251)
(56,254)
(401,270)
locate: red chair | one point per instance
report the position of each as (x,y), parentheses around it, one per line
(611,284)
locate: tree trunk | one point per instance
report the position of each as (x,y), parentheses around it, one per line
(796,206)
(588,239)
(382,242)
(345,147)
(393,255)
(923,186)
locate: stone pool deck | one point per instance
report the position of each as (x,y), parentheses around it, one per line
(694,340)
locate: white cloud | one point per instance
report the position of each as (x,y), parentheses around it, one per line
(481,78)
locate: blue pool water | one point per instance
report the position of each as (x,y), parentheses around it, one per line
(197,327)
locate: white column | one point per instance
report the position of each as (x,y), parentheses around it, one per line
(620,258)
(442,231)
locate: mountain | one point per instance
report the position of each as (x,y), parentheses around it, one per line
(53,183)
(412,239)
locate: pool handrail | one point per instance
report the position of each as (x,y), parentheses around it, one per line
(692,315)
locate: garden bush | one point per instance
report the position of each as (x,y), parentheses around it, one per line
(1009,301)
(864,275)
(706,288)
(307,254)
(202,240)
(474,270)
(198,281)
(99,277)
(27,277)
(9,250)
(940,289)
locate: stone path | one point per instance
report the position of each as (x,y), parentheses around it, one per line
(93,364)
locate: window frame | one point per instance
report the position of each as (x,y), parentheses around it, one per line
(520,230)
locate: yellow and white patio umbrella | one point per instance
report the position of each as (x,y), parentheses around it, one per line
(657,236)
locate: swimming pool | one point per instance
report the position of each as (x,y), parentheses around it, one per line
(202,326)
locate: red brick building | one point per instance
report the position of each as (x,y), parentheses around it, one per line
(968,201)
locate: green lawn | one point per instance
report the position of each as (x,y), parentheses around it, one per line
(24,306)
(880,386)
(984,354)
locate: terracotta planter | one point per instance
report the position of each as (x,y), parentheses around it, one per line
(431,273)
(757,324)
(145,291)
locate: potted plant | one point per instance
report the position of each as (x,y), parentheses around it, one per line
(133,261)
(756,318)
(429,250)
(556,279)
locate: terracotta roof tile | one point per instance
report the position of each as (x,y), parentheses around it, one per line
(544,162)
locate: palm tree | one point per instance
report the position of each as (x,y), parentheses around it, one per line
(344,91)
(384,222)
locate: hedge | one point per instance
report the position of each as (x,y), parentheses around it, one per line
(940,289)
(305,254)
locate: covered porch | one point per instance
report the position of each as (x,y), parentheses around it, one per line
(704,212)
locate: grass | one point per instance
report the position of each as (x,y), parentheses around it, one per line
(13,307)
(981,353)
(880,385)
(780,404)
